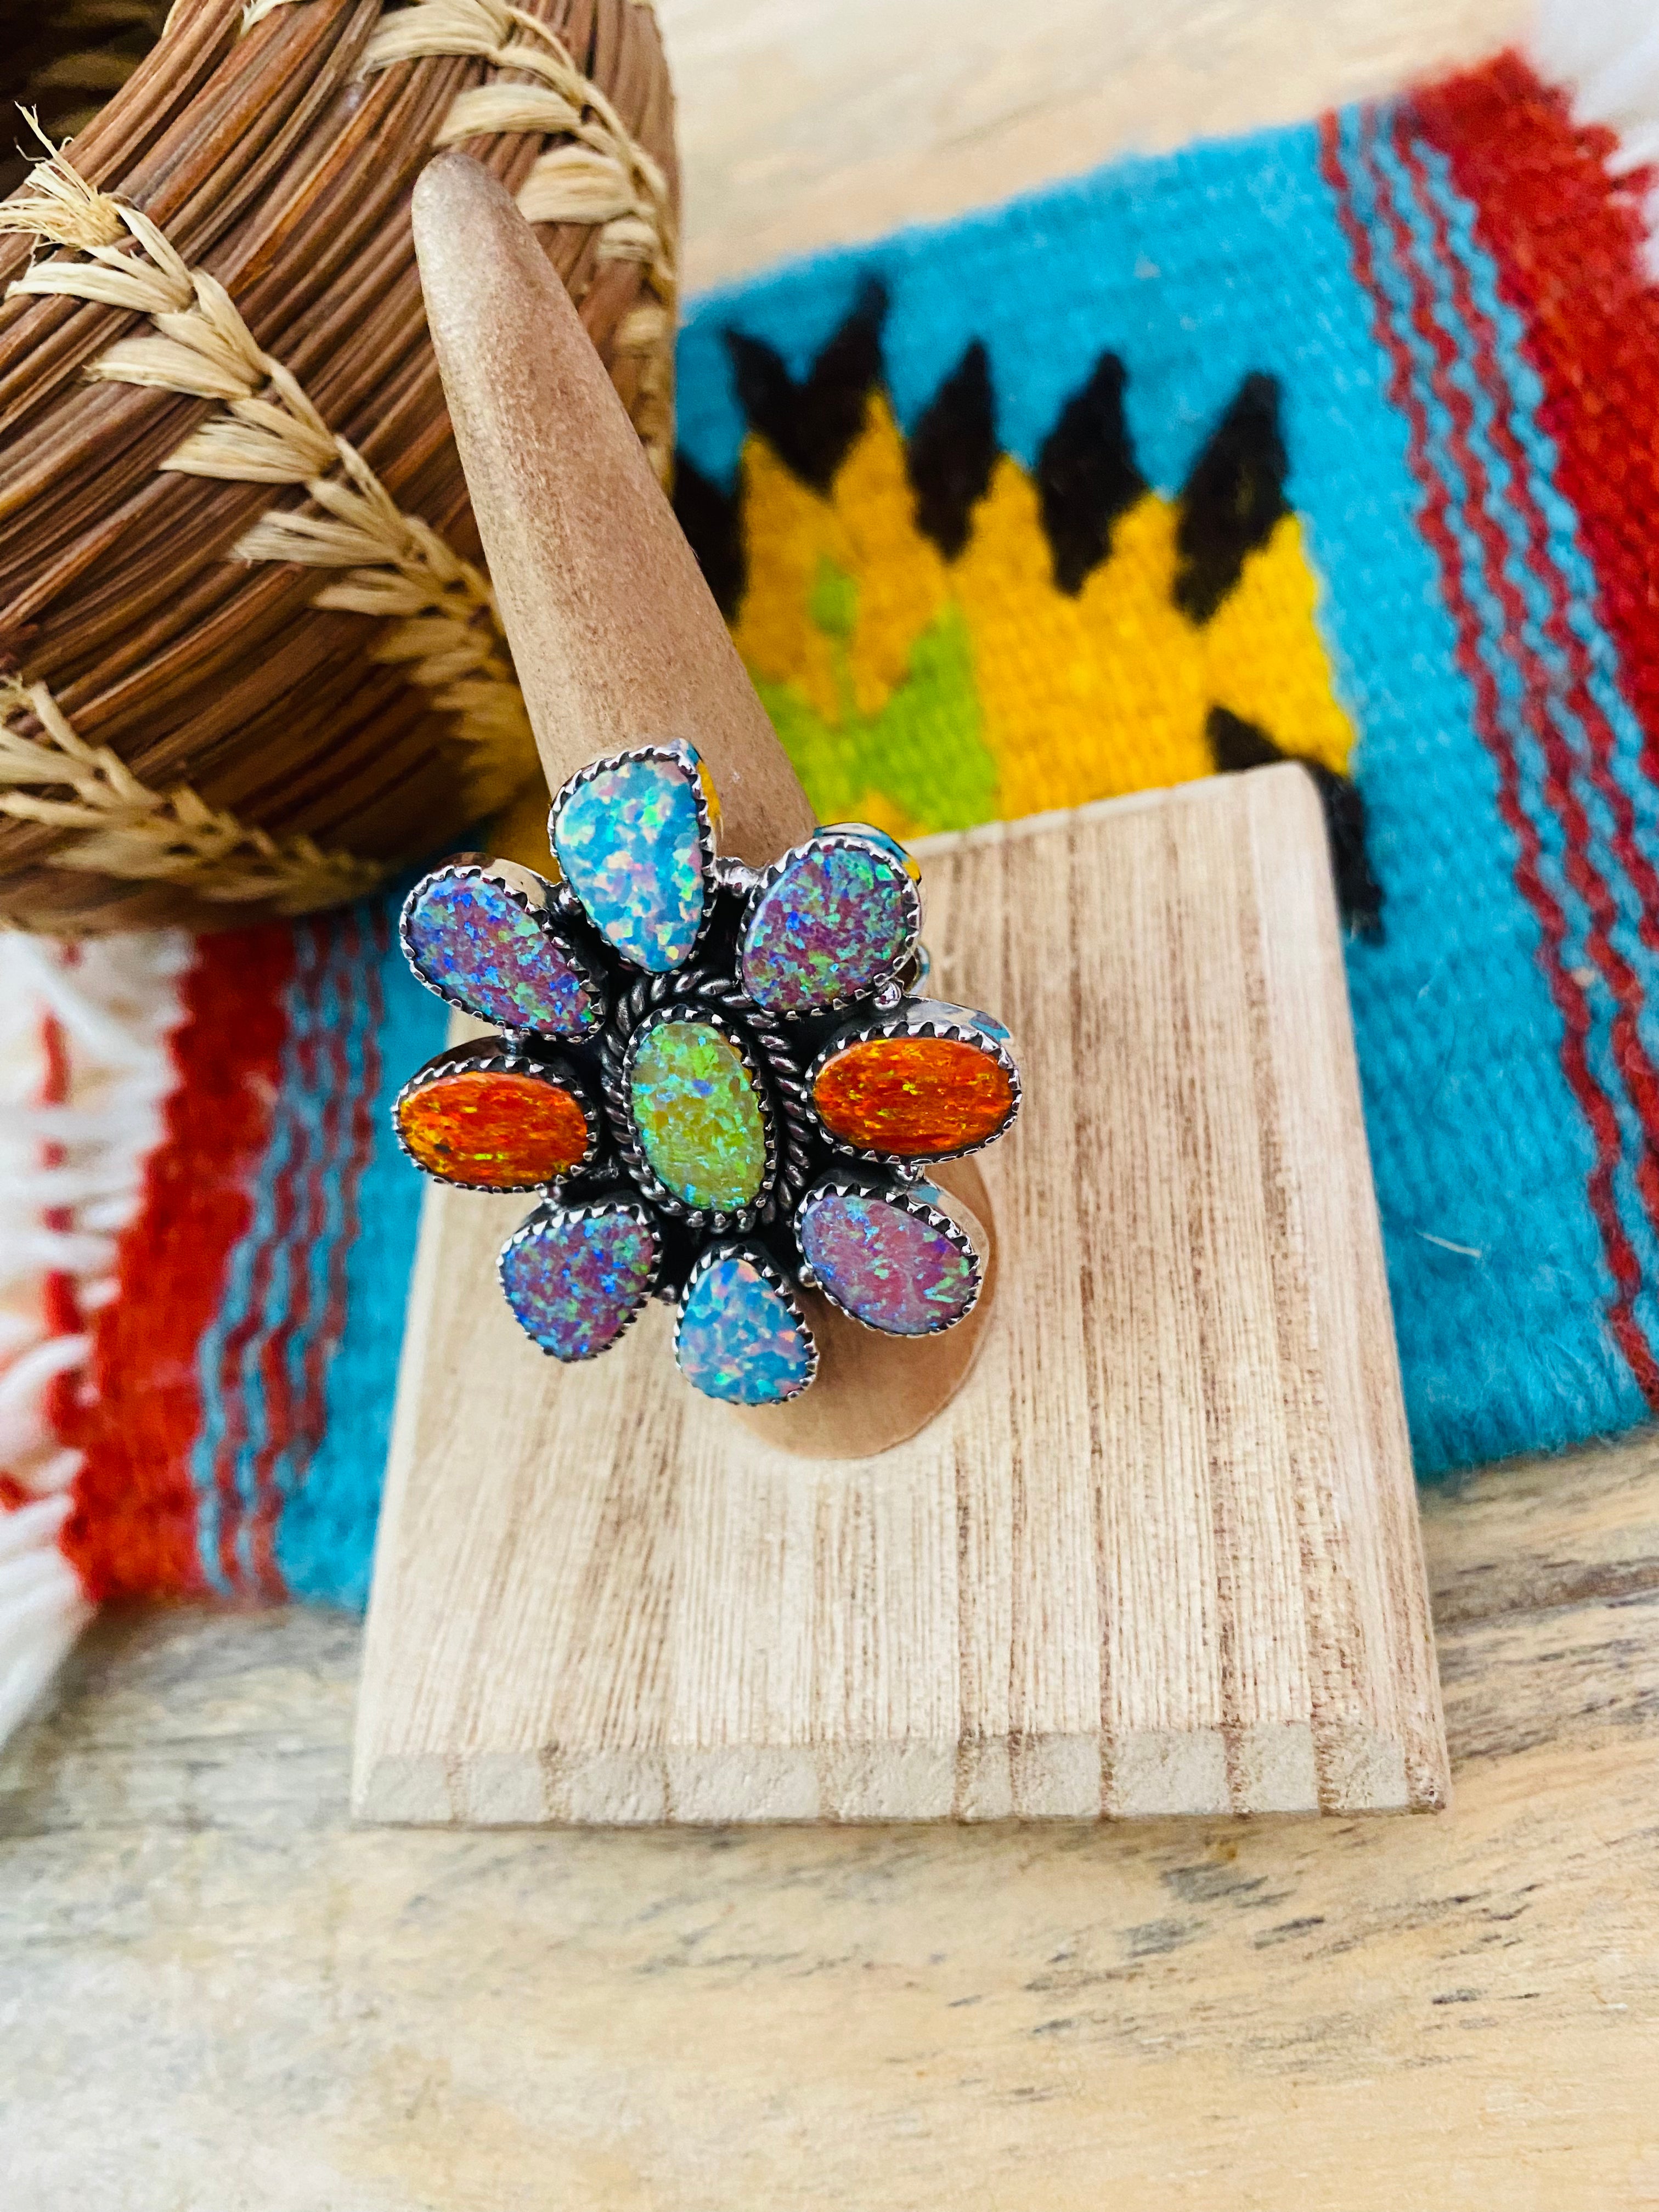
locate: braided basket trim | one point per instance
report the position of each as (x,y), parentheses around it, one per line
(142,834)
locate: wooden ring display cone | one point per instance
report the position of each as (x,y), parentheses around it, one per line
(617,639)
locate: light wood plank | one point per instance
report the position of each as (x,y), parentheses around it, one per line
(1159,1555)
(809,122)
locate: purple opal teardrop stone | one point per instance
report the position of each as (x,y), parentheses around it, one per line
(838,918)
(474,943)
(575,1278)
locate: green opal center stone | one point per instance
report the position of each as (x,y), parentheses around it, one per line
(694,1104)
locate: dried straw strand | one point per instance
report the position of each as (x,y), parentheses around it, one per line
(138,835)
(445,632)
(56,203)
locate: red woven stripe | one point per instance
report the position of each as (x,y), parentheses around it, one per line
(133,1529)
(1567,244)
(1563,634)
(368,957)
(1568,994)
(296,1419)
(260,1325)
(1636,1069)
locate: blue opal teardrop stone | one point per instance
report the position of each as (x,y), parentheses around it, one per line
(477,945)
(837,919)
(574,1279)
(630,844)
(883,1260)
(738,1339)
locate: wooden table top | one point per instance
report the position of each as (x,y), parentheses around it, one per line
(218,1995)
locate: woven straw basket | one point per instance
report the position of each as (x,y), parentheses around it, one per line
(249,661)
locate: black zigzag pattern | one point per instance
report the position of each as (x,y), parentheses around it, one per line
(1232,497)
(810,425)
(714,529)
(952,451)
(1087,476)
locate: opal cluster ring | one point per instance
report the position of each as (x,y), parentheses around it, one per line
(725,1085)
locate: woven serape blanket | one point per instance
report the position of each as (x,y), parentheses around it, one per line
(1337,443)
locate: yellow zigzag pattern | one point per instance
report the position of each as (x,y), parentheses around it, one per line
(923,694)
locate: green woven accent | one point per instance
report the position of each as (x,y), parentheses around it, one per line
(924,753)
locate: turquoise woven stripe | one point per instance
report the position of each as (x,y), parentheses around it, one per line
(326,1539)
(1512,1351)
(350,1016)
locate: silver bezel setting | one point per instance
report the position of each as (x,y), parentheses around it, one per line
(686,757)
(692,996)
(501,1056)
(545,916)
(588,1209)
(837,837)
(735,1249)
(913,1199)
(923,1018)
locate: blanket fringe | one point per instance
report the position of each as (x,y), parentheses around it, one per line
(86,1070)
(1606,55)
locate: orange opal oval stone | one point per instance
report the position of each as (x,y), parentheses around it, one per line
(506,1132)
(915,1097)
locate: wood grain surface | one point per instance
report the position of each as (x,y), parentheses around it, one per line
(1159,1555)
(221,1998)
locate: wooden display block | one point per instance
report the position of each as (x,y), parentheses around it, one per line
(1160,1553)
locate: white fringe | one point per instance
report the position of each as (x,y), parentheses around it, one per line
(1606,54)
(42,1608)
(116,999)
